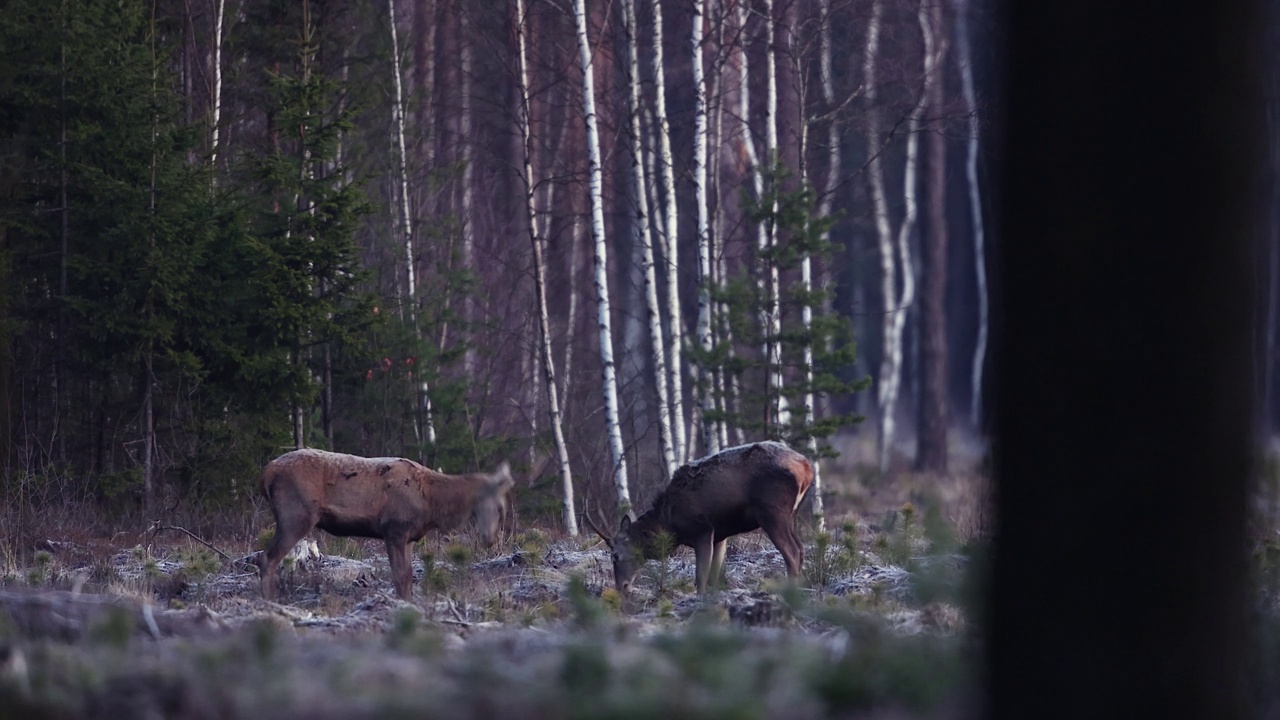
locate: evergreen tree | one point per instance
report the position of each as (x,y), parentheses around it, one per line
(803,231)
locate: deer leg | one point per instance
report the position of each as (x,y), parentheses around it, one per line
(702,551)
(288,533)
(717,562)
(783,535)
(401,568)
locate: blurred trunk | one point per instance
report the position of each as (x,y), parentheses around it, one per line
(780,416)
(932,418)
(1121,367)
(975,208)
(619,470)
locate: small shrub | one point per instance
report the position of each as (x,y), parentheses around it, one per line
(264,538)
(434,578)
(198,562)
(663,544)
(587,611)
(532,544)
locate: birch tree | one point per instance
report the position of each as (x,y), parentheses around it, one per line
(806,262)
(645,238)
(671,224)
(894,259)
(540,279)
(975,206)
(773,328)
(710,438)
(406,221)
(215,104)
(596,182)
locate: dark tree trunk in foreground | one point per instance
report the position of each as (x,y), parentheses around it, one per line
(932,420)
(1124,377)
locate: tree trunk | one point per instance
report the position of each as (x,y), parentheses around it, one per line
(428,431)
(671,224)
(215,117)
(806,270)
(894,261)
(781,417)
(698,173)
(932,419)
(609,374)
(645,238)
(1121,366)
(975,208)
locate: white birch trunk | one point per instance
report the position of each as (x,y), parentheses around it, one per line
(406,218)
(675,322)
(467,216)
(571,325)
(645,238)
(704,250)
(216,109)
(975,208)
(773,347)
(891,352)
(540,282)
(806,270)
(601,262)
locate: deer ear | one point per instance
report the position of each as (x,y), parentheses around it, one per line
(504,470)
(626,524)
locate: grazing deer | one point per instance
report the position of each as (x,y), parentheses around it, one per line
(394,499)
(709,500)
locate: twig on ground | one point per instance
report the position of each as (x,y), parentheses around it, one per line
(157,527)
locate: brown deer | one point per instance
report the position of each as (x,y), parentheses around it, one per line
(712,499)
(394,499)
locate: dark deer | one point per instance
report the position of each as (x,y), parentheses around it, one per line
(394,499)
(712,499)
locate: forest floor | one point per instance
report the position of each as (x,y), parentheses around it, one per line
(163,624)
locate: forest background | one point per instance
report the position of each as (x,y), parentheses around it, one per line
(418,228)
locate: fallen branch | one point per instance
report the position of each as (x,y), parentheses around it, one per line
(157,527)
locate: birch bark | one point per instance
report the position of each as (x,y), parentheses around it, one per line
(406,219)
(675,322)
(619,471)
(645,238)
(219,9)
(704,251)
(894,259)
(540,282)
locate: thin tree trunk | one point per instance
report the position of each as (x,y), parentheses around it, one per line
(698,173)
(715,241)
(806,270)
(932,418)
(893,261)
(148,396)
(219,9)
(540,283)
(609,378)
(59,366)
(406,223)
(773,345)
(571,325)
(975,209)
(645,238)
(671,224)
